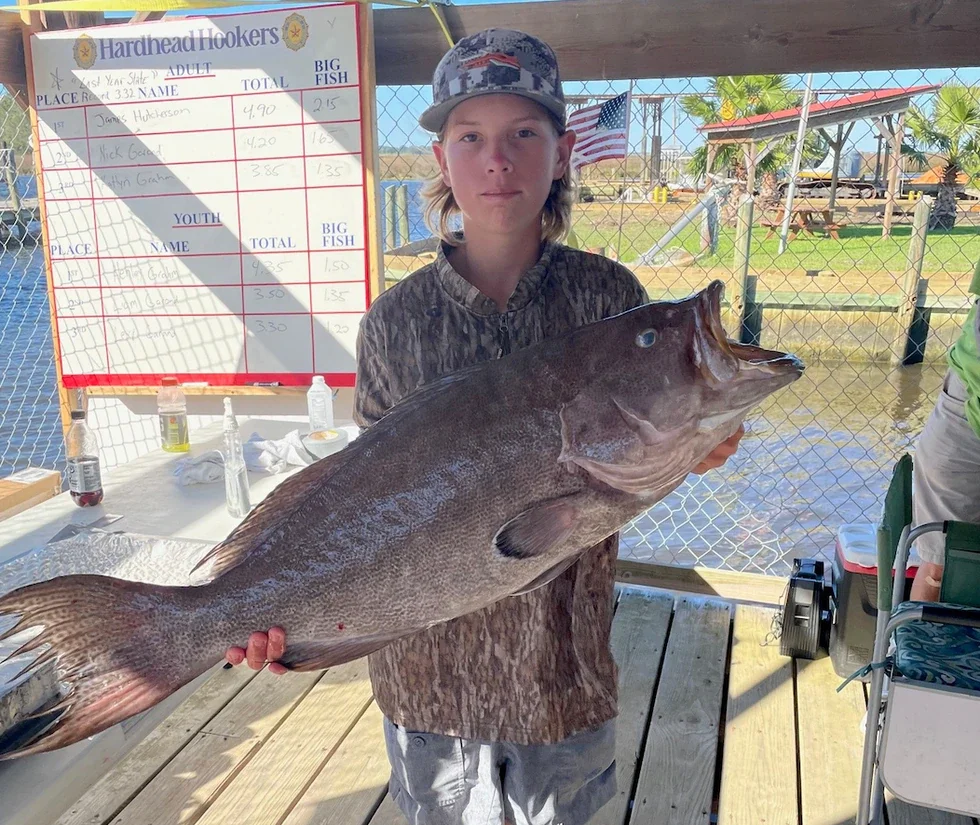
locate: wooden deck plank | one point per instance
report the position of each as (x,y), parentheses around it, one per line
(388,813)
(190,782)
(639,635)
(758,780)
(292,756)
(350,787)
(831,741)
(110,794)
(678,768)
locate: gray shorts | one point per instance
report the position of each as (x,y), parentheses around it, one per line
(444,780)
(946,469)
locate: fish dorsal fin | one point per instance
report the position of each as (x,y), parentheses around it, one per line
(539,528)
(269,514)
(432,389)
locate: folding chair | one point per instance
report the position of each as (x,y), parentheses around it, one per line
(922,741)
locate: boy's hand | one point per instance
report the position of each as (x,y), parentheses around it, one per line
(263,648)
(720,454)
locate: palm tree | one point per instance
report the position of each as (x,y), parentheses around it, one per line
(744,96)
(952,129)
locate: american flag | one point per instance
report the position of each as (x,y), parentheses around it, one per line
(602,131)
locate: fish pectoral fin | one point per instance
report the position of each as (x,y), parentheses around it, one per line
(306,656)
(539,528)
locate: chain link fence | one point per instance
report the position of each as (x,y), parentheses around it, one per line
(819,454)
(30,419)
(845,293)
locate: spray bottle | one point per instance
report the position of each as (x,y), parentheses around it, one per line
(236,473)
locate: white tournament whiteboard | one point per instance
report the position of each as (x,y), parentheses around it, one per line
(206,199)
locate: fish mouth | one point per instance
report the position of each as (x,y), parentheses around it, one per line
(767,359)
(720,358)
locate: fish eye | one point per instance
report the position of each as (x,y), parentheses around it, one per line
(647,338)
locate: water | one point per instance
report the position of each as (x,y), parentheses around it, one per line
(817,455)
(26,187)
(30,425)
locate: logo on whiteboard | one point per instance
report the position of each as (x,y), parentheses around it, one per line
(84,51)
(295,32)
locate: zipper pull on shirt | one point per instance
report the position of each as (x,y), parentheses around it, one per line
(504,338)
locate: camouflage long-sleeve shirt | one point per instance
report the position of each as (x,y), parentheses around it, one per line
(529,669)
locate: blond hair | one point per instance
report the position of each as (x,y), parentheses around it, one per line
(440,207)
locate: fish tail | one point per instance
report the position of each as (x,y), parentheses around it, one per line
(117,648)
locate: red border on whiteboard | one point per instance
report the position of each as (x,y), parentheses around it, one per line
(216,379)
(79,380)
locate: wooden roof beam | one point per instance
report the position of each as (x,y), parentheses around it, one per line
(13,70)
(617,39)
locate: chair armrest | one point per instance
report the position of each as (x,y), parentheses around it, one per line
(951,614)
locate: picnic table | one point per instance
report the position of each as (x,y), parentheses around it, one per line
(803,219)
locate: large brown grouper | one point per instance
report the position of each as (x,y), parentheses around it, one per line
(486,484)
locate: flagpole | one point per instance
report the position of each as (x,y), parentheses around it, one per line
(626,159)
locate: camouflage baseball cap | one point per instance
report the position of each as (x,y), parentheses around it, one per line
(495,61)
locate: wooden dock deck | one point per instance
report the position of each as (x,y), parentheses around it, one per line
(715,727)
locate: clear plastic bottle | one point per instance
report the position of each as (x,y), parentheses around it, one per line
(172,411)
(84,470)
(319,405)
(236,473)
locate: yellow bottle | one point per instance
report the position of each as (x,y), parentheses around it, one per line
(172,411)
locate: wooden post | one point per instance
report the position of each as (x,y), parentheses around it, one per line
(646,172)
(10,174)
(712,151)
(709,227)
(369,143)
(750,153)
(743,244)
(915,352)
(837,146)
(401,207)
(391,220)
(893,169)
(751,329)
(911,291)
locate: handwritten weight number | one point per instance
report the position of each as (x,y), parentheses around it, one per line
(268,267)
(335,266)
(266,170)
(333,294)
(254,110)
(270,327)
(258,142)
(274,292)
(319,104)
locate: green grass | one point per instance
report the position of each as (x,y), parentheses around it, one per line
(860,248)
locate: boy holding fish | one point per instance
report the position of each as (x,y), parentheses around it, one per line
(506,714)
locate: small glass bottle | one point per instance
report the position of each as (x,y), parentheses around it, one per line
(236,473)
(172,411)
(84,470)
